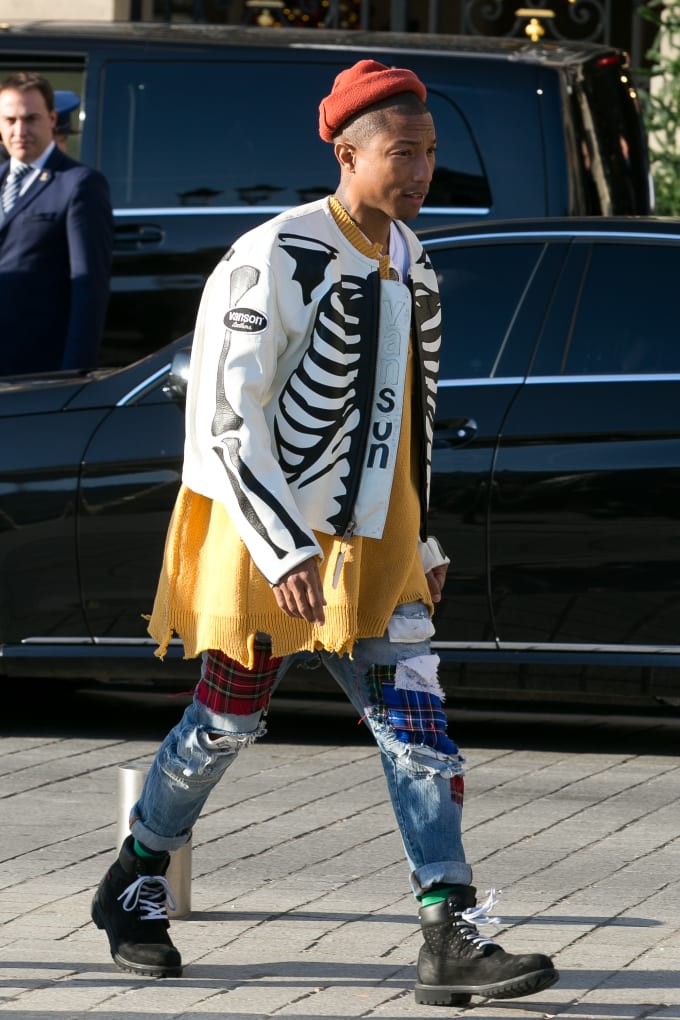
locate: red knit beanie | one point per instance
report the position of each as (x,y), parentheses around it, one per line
(361,85)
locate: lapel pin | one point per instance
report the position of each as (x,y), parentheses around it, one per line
(44,176)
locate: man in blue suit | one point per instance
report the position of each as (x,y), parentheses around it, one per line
(56,235)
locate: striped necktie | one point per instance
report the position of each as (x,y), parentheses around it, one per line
(10,192)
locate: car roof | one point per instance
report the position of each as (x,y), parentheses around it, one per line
(517,50)
(578,226)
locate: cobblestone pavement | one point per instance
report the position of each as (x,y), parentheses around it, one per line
(300,903)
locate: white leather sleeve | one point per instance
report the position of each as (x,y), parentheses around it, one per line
(238,346)
(431,554)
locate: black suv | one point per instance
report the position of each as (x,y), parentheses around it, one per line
(555,481)
(204,131)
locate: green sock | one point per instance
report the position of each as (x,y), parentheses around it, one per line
(437,894)
(143,851)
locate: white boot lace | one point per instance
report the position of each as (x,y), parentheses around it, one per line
(478,915)
(151,902)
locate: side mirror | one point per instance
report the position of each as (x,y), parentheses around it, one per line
(178,377)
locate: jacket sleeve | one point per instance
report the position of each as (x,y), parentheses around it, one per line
(89,227)
(239,343)
(431,554)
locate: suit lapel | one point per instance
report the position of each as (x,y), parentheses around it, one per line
(45,177)
(38,185)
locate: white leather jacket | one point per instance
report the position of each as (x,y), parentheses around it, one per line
(296,387)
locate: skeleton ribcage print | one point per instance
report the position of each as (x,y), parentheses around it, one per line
(316,426)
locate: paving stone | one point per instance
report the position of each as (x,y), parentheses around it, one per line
(300,897)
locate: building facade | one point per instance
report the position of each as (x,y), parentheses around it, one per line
(616,22)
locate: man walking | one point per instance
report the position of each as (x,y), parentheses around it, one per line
(301,527)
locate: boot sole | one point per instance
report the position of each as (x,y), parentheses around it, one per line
(459,995)
(149,970)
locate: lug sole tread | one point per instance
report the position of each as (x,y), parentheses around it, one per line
(459,995)
(149,970)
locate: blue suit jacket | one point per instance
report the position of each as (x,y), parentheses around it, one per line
(55,265)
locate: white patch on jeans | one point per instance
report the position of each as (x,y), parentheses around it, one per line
(409,630)
(419,674)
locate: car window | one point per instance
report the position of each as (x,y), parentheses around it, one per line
(481,288)
(459,179)
(625,320)
(183,136)
(188,134)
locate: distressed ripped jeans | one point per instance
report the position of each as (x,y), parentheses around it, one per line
(391,681)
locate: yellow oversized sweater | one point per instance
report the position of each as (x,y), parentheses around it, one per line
(211,594)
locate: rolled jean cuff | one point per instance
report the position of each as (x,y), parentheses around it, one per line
(150,839)
(440,873)
(208,720)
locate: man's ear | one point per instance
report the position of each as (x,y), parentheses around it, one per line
(345,153)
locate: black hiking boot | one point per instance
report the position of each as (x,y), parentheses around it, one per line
(130,905)
(457,962)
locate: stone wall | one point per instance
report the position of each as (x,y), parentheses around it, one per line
(67,10)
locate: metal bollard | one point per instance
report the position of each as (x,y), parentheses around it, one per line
(130,782)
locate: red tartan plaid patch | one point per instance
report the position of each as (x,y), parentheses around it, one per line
(457,789)
(228,688)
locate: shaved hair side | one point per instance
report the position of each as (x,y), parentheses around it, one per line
(363,125)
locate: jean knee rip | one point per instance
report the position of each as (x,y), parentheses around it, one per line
(408,718)
(201,751)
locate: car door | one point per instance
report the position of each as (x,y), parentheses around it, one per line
(584,526)
(41,446)
(129,479)
(494,292)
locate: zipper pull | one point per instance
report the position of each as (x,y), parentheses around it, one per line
(349,531)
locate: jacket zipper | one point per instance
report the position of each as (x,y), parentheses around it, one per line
(349,531)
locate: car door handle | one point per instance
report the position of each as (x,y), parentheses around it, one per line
(135,235)
(455,431)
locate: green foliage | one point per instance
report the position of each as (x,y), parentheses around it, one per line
(662,107)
